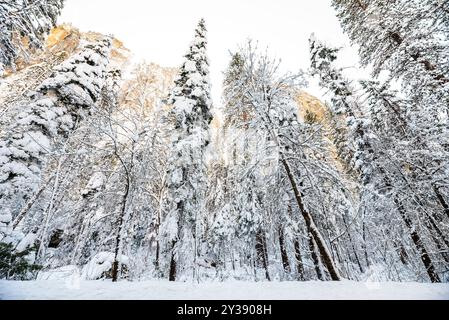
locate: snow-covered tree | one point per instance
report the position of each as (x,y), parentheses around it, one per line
(262,103)
(376,157)
(190,117)
(425,159)
(41,128)
(409,40)
(25,19)
(109,173)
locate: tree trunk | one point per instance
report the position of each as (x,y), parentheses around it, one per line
(365,249)
(284,255)
(403,254)
(118,240)
(297,247)
(31,202)
(299,264)
(262,254)
(158,253)
(425,258)
(158,229)
(173,264)
(442,249)
(354,249)
(441,200)
(315,259)
(311,227)
(121,221)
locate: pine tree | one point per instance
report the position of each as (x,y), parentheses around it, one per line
(16,265)
(30,19)
(269,111)
(393,123)
(381,176)
(59,104)
(398,35)
(409,39)
(191,117)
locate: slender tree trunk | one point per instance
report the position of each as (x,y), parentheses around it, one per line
(254,264)
(158,225)
(431,224)
(120,223)
(400,250)
(157,258)
(353,246)
(311,227)
(403,254)
(173,272)
(284,255)
(262,254)
(48,213)
(441,200)
(118,240)
(365,249)
(31,202)
(297,248)
(158,247)
(425,258)
(336,247)
(173,264)
(195,250)
(444,250)
(315,259)
(299,264)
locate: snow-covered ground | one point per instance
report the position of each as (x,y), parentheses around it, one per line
(162,290)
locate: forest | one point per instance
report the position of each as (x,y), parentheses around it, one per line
(131,176)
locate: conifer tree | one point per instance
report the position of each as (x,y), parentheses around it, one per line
(377,170)
(191,116)
(57,106)
(30,19)
(409,39)
(266,102)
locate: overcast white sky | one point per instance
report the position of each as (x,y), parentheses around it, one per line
(160,31)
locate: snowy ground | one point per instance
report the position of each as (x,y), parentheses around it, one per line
(161,290)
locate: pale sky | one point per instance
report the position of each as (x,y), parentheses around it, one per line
(161,31)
